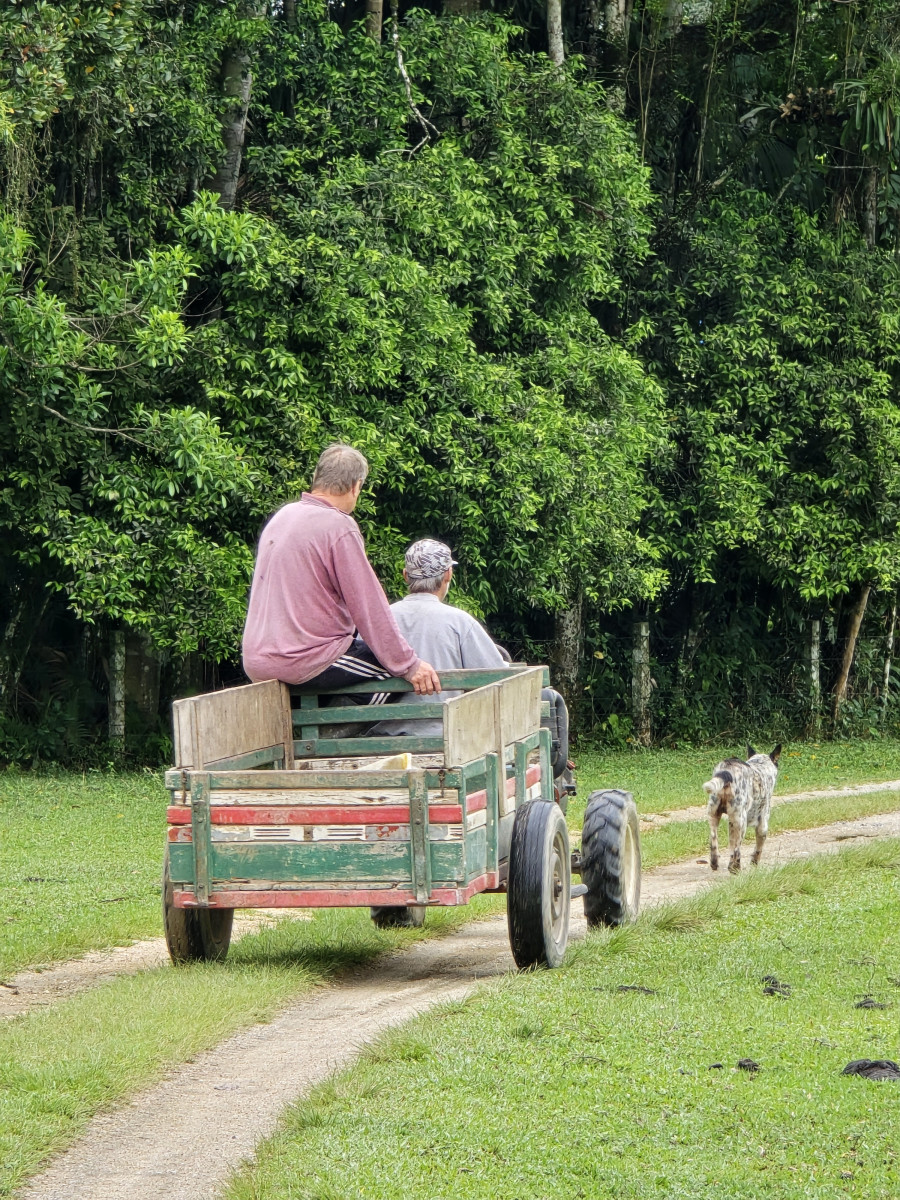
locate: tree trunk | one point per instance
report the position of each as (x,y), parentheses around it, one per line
(856,619)
(117,687)
(374,19)
(640,680)
(555,32)
(142,674)
(565,655)
(289,8)
(236,81)
(888,655)
(461,8)
(870,206)
(617,20)
(815,675)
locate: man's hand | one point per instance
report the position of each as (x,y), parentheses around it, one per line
(425,679)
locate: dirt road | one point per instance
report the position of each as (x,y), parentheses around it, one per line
(228,1099)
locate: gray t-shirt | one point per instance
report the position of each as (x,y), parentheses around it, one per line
(446,637)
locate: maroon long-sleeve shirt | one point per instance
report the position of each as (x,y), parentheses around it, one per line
(313,587)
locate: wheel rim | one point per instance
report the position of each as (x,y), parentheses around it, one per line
(631,873)
(559,890)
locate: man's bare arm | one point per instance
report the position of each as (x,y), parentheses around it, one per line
(425,679)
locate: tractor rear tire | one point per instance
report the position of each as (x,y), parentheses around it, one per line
(611,859)
(539,887)
(194,934)
(411,916)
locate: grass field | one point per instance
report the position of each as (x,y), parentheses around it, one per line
(618,1074)
(60,1065)
(81,854)
(666,780)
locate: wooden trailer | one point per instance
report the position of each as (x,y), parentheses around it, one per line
(269,811)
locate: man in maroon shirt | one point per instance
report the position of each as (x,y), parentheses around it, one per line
(317,614)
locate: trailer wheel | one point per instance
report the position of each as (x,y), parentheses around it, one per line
(611,859)
(194,934)
(398,916)
(540,885)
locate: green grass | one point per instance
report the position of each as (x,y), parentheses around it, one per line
(666,780)
(81,863)
(81,854)
(677,840)
(556,1084)
(60,1065)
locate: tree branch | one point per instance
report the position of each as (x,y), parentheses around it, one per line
(401,66)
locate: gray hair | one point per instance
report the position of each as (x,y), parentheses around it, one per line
(426,585)
(339,469)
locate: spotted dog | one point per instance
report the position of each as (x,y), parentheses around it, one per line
(743,791)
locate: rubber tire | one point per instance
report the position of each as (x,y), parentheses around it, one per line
(557,722)
(611,859)
(539,887)
(410,916)
(194,934)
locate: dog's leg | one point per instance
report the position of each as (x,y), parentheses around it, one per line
(715,816)
(736,830)
(762,829)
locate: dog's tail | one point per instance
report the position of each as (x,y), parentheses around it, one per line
(720,787)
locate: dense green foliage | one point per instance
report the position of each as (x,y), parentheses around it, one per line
(624,332)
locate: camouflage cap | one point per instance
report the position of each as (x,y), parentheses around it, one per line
(428,559)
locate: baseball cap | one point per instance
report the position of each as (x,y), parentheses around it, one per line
(428,559)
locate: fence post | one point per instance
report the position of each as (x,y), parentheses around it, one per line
(640,680)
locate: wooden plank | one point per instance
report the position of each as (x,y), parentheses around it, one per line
(297,862)
(520,705)
(521,776)
(365,714)
(470,727)
(546,769)
(334,747)
(466,680)
(383,814)
(336,897)
(377,781)
(495,788)
(418,814)
(447,863)
(234,721)
(200,834)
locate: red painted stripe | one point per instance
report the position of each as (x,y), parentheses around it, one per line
(476,801)
(335,897)
(374,814)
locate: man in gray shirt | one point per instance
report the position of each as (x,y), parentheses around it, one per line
(443,635)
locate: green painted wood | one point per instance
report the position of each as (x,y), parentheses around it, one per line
(522,751)
(464,680)
(345,747)
(418,829)
(308,728)
(268,756)
(200,833)
(448,864)
(364,713)
(477,860)
(496,778)
(310,862)
(298,781)
(181,862)
(451,863)
(546,769)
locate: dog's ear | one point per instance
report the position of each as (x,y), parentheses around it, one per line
(776,754)
(750,751)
